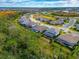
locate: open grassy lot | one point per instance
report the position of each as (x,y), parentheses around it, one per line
(45,16)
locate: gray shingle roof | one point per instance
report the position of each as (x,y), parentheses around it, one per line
(39,28)
(71,38)
(51,32)
(77,26)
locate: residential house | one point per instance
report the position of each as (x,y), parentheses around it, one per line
(24,21)
(51,32)
(27,22)
(42,19)
(70,39)
(57,22)
(31,24)
(77,26)
(39,28)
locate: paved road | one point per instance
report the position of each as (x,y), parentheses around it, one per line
(69,25)
(65,26)
(41,23)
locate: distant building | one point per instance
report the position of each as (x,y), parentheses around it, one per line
(51,32)
(42,19)
(77,26)
(69,39)
(57,22)
(39,28)
(24,21)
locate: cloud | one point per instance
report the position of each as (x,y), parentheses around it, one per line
(6,1)
(32,3)
(73,3)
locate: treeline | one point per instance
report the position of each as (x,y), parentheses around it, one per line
(65,14)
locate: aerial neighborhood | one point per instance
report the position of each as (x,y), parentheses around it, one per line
(39,29)
(59,28)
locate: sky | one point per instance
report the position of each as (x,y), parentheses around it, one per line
(39,3)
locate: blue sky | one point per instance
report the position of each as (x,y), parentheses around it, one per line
(40,3)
